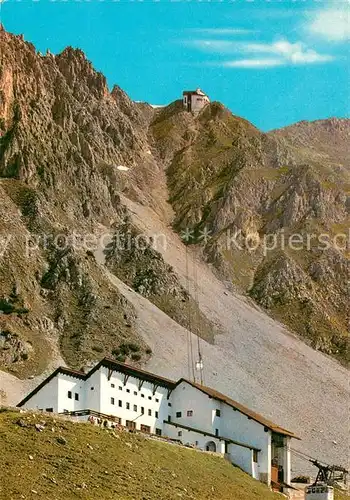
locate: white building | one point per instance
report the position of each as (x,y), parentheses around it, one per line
(194,100)
(189,412)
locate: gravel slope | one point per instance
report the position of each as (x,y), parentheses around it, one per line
(255,360)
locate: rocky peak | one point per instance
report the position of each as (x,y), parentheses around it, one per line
(127,106)
(79,72)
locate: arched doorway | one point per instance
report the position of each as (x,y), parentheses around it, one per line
(210,446)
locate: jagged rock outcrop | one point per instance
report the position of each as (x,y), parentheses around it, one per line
(63,134)
(12,349)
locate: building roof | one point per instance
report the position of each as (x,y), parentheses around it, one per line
(133,372)
(204,433)
(161,381)
(238,406)
(197,92)
(60,369)
(111,365)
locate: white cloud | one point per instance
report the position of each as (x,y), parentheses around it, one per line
(332,23)
(223,31)
(284,53)
(215,45)
(253,63)
(293,53)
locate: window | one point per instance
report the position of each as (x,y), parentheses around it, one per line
(130,425)
(255,456)
(128,406)
(127,390)
(218,413)
(135,407)
(69,394)
(156,414)
(150,398)
(158,432)
(142,410)
(190,413)
(157,400)
(178,414)
(216,432)
(49,410)
(112,385)
(91,388)
(149,413)
(112,401)
(142,395)
(120,388)
(197,443)
(135,393)
(76,396)
(145,428)
(179,433)
(169,404)
(169,418)
(120,404)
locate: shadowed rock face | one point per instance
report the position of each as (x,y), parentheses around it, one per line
(271,211)
(63,134)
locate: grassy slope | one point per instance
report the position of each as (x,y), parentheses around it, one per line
(120,466)
(340,496)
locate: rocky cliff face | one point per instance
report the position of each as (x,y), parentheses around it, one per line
(271,211)
(63,135)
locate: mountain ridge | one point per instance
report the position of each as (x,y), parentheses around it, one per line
(60,148)
(262,187)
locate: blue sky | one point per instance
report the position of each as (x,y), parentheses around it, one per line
(273,63)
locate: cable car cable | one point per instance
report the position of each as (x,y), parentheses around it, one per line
(191,371)
(196,298)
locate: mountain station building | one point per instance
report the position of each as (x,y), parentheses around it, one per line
(194,100)
(185,411)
